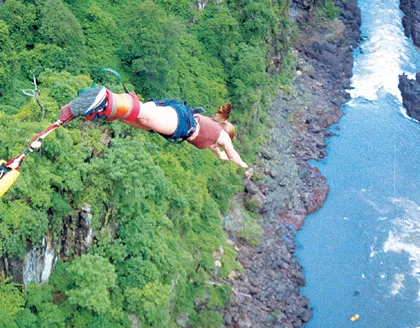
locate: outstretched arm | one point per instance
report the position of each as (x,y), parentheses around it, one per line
(221,154)
(225,142)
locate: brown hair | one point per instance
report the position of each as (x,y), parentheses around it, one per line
(229,128)
(222,115)
(223,112)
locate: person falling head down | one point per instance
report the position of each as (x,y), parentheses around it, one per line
(170,118)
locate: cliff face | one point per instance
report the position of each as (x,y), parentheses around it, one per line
(268,292)
(410,89)
(410,92)
(411,20)
(74,239)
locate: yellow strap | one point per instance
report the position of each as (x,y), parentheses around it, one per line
(7,180)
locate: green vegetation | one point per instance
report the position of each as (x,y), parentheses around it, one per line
(251,232)
(165,201)
(326,10)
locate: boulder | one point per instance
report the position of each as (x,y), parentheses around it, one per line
(411,21)
(305,316)
(256,201)
(410,92)
(250,187)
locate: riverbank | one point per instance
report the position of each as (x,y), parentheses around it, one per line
(267,294)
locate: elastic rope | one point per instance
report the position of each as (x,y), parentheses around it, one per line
(107,69)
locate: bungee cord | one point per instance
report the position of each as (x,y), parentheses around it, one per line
(9,171)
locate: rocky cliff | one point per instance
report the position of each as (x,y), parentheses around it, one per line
(75,238)
(267,294)
(410,89)
(411,19)
(410,92)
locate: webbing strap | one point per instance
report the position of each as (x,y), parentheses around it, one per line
(107,69)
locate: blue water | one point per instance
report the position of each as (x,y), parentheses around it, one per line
(361,250)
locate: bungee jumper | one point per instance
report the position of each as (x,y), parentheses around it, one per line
(172,119)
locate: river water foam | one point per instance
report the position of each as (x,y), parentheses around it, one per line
(382,55)
(404,236)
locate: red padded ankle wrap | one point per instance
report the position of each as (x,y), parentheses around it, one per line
(135,110)
(122,106)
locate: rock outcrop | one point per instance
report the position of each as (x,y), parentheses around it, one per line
(410,92)
(74,239)
(411,19)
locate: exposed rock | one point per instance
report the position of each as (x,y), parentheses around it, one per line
(410,92)
(251,187)
(305,315)
(244,322)
(267,154)
(234,275)
(219,253)
(411,21)
(304,4)
(227,318)
(267,292)
(257,201)
(183,320)
(201,302)
(135,321)
(249,173)
(300,9)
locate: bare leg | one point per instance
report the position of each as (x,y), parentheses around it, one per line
(157,118)
(136,124)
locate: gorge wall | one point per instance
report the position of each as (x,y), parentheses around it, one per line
(267,294)
(411,20)
(410,88)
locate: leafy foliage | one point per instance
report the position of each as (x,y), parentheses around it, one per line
(11,304)
(156,206)
(92,276)
(152,48)
(59,25)
(326,10)
(7,56)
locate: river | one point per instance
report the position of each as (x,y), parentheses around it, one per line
(361,250)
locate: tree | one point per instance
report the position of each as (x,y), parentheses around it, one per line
(259,20)
(152,48)
(151,303)
(59,26)
(219,31)
(249,77)
(209,319)
(7,57)
(11,304)
(20,18)
(91,277)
